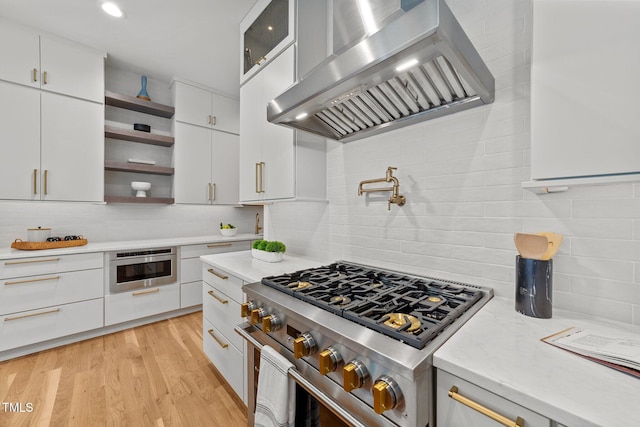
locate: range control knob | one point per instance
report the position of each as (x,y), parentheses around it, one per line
(354,375)
(271,323)
(304,345)
(330,358)
(257,315)
(247,307)
(386,394)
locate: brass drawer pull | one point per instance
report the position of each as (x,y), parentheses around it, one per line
(24,316)
(35,181)
(453,393)
(220,343)
(31,261)
(44,78)
(150,291)
(219,245)
(257,172)
(261,177)
(46,174)
(222,301)
(35,75)
(18,282)
(209,192)
(215,273)
(261,60)
(215,192)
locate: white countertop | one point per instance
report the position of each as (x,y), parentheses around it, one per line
(500,350)
(242,265)
(8,253)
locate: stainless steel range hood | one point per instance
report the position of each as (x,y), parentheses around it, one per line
(365,90)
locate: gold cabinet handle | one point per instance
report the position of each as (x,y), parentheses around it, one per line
(257,172)
(46,174)
(220,300)
(220,343)
(215,120)
(24,316)
(35,181)
(261,177)
(31,261)
(44,77)
(150,291)
(261,60)
(215,273)
(219,245)
(209,119)
(453,393)
(209,191)
(43,279)
(215,193)
(35,75)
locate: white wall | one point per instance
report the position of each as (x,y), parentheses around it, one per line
(462,178)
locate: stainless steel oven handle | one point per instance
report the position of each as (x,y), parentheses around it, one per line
(304,383)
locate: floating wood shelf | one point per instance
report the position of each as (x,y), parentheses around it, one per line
(131,199)
(138,136)
(138,168)
(137,104)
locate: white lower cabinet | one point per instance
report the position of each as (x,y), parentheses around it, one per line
(222,296)
(191,267)
(125,306)
(29,327)
(44,298)
(457,411)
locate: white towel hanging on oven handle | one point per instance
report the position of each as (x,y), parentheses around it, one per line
(276,398)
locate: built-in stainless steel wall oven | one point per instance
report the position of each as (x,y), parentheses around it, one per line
(142,268)
(361,339)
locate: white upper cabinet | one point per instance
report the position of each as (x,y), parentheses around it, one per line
(19,141)
(267,151)
(584,112)
(202,107)
(267,30)
(49,63)
(206,166)
(22,45)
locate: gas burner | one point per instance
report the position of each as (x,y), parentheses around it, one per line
(340,300)
(434,299)
(402,321)
(299,285)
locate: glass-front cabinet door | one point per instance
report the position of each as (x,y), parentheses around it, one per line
(265,32)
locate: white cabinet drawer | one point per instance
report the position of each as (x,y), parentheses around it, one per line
(192,251)
(32,292)
(191,294)
(190,270)
(222,312)
(34,326)
(140,303)
(227,359)
(223,282)
(452,413)
(49,264)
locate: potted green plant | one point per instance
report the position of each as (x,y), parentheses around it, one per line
(269,251)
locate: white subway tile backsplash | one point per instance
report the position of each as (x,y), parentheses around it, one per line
(462,176)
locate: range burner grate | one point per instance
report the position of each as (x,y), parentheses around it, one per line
(410,309)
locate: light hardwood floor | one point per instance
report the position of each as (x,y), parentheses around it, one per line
(152,375)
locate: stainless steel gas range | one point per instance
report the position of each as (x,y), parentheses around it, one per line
(361,339)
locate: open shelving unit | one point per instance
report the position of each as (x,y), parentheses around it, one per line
(146,107)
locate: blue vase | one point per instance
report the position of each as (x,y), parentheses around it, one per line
(143,92)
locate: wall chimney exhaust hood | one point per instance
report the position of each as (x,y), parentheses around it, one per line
(420,66)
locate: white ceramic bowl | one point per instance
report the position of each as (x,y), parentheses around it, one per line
(141,188)
(228,232)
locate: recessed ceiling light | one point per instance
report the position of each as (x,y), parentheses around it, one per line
(112,9)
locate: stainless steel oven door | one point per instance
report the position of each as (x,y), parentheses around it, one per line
(328,411)
(134,270)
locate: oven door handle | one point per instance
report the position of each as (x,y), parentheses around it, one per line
(294,374)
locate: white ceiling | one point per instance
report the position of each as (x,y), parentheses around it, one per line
(194,39)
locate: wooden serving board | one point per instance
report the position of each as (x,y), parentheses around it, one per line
(34,246)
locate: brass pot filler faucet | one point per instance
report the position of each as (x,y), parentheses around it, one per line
(396,197)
